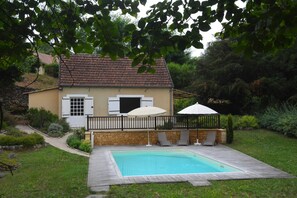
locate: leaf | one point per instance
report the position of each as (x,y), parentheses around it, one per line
(143,2)
(138,59)
(197,44)
(151,70)
(204,27)
(142,69)
(141,23)
(130,27)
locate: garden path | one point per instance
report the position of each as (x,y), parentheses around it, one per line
(59,143)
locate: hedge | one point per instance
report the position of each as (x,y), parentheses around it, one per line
(281,119)
(27,140)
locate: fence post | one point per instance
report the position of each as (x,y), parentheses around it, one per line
(187,122)
(122,122)
(155,123)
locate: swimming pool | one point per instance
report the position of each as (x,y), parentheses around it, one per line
(166,162)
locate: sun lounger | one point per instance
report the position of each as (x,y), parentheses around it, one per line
(210,139)
(162,139)
(184,138)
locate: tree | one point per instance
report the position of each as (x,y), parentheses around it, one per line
(229,130)
(260,26)
(233,83)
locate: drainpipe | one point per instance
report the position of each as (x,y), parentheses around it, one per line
(171,101)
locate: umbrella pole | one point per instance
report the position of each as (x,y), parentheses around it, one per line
(148,138)
(197,141)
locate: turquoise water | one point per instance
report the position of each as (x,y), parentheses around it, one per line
(136,163)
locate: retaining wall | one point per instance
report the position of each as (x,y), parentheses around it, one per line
(104,138)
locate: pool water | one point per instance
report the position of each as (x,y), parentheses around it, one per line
(156,162)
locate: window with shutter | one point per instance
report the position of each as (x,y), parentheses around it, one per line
(113,105)
(65,107)
(89,106)
(147,102)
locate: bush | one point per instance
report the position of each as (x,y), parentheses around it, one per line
(85,146)
(64,124)
(55,130)
(9,119)
(14,132)
(27,140)
(240,122)
(80,133)
(248,122)
(52,70)
(73,141)
(281,119)
(41,118)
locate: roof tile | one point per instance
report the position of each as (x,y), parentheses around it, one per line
(92,70)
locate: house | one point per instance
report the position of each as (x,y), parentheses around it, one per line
(93,86)
(44,59)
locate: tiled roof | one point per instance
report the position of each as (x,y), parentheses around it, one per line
(45,58)
(92,70)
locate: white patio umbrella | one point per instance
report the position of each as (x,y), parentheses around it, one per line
(197,109)
(146,112)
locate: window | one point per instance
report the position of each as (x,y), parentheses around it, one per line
(76,106)
(128,104)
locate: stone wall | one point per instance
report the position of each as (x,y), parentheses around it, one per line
(14,99)
(104,138)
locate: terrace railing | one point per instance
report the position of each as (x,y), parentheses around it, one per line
(159,122)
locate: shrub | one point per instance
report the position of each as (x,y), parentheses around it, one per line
(9,140)
(229,130)
(64,124)
(27,140)
(55,130)
(248,122)
(52,70)
(73,141)
(9,119)
(40,118)
(14,131)
(281,119)
(80,133)
(85,146)
(240,122)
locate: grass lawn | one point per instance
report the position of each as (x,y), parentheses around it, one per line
(47,172)
(269,147)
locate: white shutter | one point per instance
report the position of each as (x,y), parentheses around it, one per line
(65,107)
(89,106)
(113,105)
(147,102)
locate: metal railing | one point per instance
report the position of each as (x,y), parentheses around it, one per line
(159,122)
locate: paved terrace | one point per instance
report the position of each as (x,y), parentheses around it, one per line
(103,171)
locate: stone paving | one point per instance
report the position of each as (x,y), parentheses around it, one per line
(103,171)
(59,143)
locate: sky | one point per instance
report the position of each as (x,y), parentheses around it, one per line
(207,36)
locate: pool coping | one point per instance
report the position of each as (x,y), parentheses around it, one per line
(104,172)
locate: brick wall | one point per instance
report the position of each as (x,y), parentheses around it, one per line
(104,138)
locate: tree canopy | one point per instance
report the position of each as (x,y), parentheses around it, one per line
(24,24)
(233,83)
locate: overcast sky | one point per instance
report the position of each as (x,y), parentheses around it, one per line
(207,36)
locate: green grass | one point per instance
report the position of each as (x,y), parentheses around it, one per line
(272,148)
(47,172)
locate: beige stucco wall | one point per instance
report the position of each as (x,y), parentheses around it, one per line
(47,99)
(162,97)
